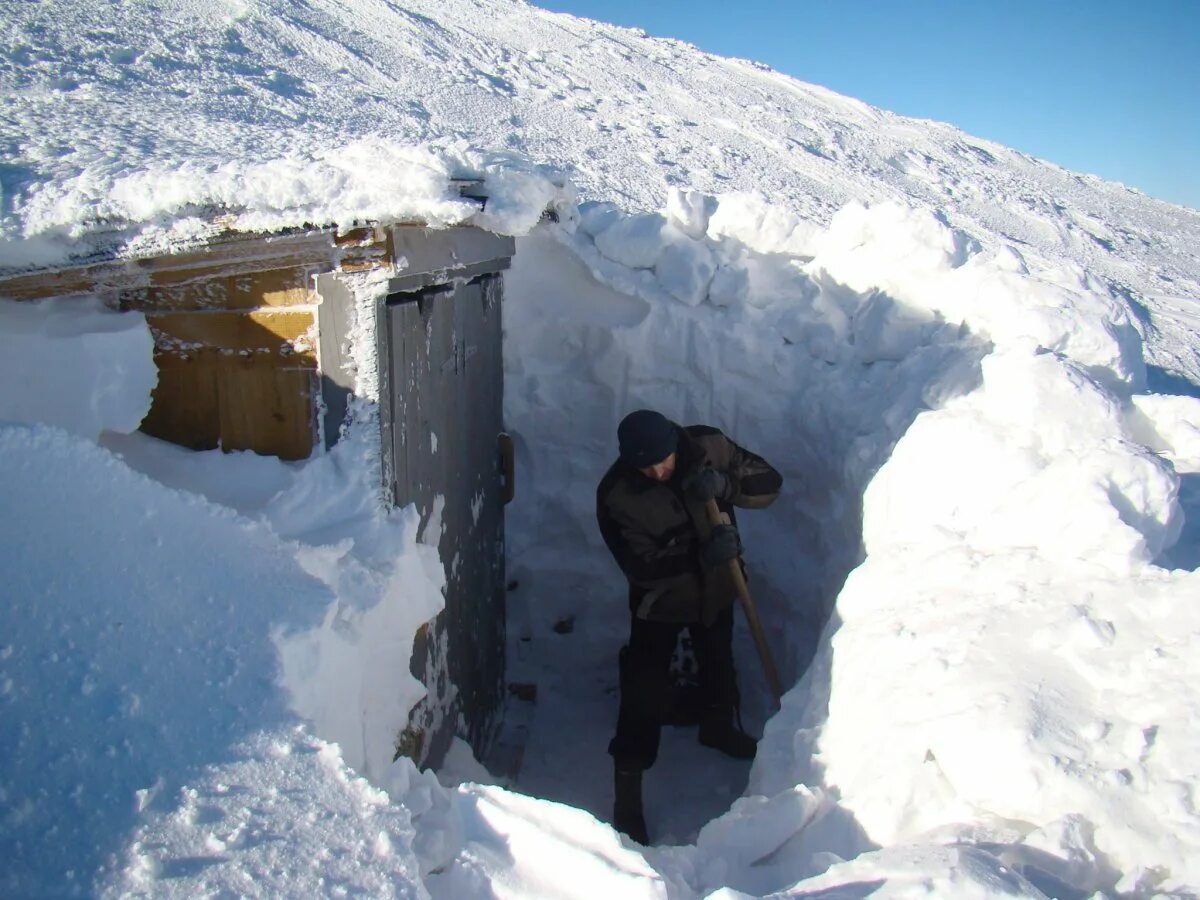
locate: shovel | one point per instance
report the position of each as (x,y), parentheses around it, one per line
(716,517)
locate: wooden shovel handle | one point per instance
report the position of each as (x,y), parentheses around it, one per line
(716,517)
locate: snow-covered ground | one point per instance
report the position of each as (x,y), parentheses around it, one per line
(977,372)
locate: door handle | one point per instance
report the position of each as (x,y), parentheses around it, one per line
(508,468)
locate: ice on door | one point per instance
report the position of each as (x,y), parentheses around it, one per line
(443,347)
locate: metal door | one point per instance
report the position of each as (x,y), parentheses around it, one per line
(442,425)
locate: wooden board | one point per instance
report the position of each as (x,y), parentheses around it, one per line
(236,380)
(184,407)
(287,335)
(268,410)
(252,290)
(237,403)
(224,257)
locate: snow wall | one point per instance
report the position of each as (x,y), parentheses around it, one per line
(961,436)
(961,433)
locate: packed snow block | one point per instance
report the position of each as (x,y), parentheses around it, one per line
(534,848)
(730,285)
(1050,403)
(685,268)
(889,243)
(918,258)
(517,197)
(596,216)
(690,211)
(886,330)
(1012,688)
(918,869)
(762,226)
(780,281)
(1056,309)
(73,363)
(1170,425)
(1029,461)
(363,648)
(635,241)
(763,280)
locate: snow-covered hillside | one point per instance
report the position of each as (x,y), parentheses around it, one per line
(977,371)
(136,110)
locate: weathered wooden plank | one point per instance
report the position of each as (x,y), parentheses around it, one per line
(268,410)
(141,281)
(234,403)
(287,334)
(360,249)
(224,257)
(251,290)
(259,251)
(42,285)
(443,254)
(184,406)
(238,380)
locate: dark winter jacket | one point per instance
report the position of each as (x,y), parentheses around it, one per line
(654,530)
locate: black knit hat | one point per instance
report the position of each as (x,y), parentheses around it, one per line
(646,438)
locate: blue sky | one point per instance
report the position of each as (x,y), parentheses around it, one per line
(1107,87)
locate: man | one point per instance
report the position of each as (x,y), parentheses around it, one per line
(651,508)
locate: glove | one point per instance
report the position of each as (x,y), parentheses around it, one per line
(707,484)
(723,544)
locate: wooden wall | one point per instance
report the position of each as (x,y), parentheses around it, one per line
(237,362)
(235,326)
(235,334)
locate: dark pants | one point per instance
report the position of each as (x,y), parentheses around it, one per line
(646,683)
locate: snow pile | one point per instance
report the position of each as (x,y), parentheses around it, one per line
(281,816)
(700,248)
(1010,544)
(351,677)
(1008,627)
(150,634)
(156,649)
(75,364)
(138,628)
(917,257)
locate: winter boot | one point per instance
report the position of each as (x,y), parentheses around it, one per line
(720,734)
(627,808)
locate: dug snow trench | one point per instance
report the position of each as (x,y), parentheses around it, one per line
(960,432)
(784,369)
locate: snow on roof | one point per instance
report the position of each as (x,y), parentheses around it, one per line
(171,207)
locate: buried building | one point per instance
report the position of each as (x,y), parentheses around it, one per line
(253,349)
